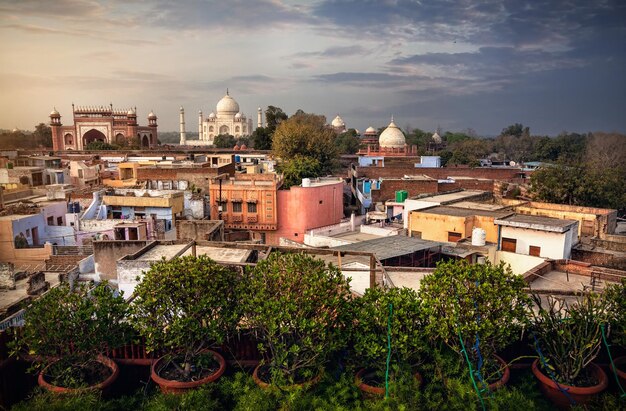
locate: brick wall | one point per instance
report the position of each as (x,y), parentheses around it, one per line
(471,184)
(599,258)
(389,187)
(440,173)
(198,176)
(207,230)
(63,262)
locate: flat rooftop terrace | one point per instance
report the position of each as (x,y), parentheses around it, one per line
(465,212)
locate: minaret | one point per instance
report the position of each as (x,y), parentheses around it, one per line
(259,121)
(183,138)
(200,135)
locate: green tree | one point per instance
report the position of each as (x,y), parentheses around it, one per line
(308,136)
(224,141)
(515,130)
(297,168)
(42,135)
(101,145)
(262,139)
(273,117)
(348,142)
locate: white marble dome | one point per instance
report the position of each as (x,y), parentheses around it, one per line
(151,115)
(437,138)
(54,113)
(338,122)
(212,115)
(370,130)
(227,106)
(392,137)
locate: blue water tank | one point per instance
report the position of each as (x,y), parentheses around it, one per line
(367,187)
(237,159)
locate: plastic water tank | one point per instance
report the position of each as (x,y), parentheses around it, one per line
(479,236)
(306,182)
(237,159)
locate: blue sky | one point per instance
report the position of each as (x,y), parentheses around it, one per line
(551,65)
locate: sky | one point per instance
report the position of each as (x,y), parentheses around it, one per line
(551,65)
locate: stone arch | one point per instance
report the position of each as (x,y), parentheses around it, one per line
(69,140)
(211,129)
(119,139)
(93,135)
(224,130)
(145,142)
(237,129)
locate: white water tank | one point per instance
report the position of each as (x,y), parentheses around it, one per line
(306,182)
(479,236)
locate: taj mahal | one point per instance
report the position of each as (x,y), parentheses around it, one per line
(226,119)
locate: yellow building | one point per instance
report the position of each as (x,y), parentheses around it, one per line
(451,224)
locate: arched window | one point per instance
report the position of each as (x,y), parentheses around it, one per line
(145,142)
(119,138)
(224,130)
(211,129)
(237,129)
(68,139)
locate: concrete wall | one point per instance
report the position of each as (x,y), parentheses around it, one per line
(106,254)
(60,235)
(553,245)
(414,187)
(7,276)
(377,230)
(435,227)
(519,263)
(391,171)
(304,208)
(211,230)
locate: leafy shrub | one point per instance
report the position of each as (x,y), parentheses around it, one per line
(299,307)
(616,299)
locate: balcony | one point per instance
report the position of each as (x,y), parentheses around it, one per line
(253,219)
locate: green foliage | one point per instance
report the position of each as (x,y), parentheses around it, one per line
(348,142)
(273,117)
(308,136)
(73,325)
(615,295)
(224,141)
(299,308)
(482,300)
(41,137)
(186,304)
(569,336)
(101,145)
(297,168)
(370,330)
(262,139)
(515,130)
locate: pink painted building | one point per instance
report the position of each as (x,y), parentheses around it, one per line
(315,203)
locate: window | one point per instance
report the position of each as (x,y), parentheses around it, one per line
(50,220)
(509,244)
(252,207)
(534,250)
(59,220)
(237,207)
(453,237)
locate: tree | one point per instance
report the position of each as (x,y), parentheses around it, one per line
(348,142)
(297,168)
(224,141)
(306,135)
(262,139)
(273,117)
(43,135)
(515,130)
(100,145)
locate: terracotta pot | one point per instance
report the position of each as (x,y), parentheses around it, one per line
(620,369)
(581,395)
(505,376)
(103,386)
(266,386)
(373,390)
(180,387)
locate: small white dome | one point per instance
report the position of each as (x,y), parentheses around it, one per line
(238,115)
(212,115)
(436,138)
(131,112)
(338,122)
(227,106)
(370,130)
(392,137)
(54,113)
(151,115)
(181,109)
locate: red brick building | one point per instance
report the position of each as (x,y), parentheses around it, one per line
(102,123)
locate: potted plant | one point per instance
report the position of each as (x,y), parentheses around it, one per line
(183,307)
(388,336)
(476,310)
(299,308)
(67,331)
(616,298)
(568,338)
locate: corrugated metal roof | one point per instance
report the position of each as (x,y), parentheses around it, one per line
(389,247)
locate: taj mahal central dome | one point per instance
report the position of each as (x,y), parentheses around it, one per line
(227,107)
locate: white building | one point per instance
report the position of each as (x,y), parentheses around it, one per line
(227,119)
(538,236)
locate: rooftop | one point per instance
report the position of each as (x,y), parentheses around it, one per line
(389,247)
(453,197)
(536,222)
(478,206)
(465,212)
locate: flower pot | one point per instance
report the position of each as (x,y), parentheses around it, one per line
(581,395)
(180,387)
(505,375)
(374,390)
(265,385)
(620,369)
(103,386)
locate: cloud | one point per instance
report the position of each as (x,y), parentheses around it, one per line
(52,9)
(336,51)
